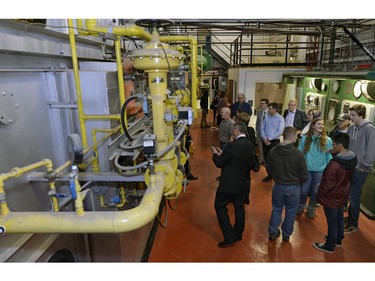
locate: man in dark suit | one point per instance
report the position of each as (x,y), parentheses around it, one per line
(295,117)
(235,162)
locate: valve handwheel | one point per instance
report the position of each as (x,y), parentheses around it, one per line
(154,22)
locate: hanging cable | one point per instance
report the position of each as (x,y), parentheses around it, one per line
(123,110)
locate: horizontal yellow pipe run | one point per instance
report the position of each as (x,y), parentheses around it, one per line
(111,116)
(127,30)
(89,222)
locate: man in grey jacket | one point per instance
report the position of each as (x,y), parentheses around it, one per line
(362,133)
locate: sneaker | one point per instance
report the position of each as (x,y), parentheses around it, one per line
(311,212)
(325,239)
(300,209)
(322,247)
(274,236)
(350,229)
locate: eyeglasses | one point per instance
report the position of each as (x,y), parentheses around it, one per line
(291,104)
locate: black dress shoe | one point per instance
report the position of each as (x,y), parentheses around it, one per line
(191,177)
(274,236)
(227,243)
(267,178)
(247,201)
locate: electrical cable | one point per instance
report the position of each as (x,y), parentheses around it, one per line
(123,108)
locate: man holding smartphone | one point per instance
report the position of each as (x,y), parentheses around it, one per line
(235,162)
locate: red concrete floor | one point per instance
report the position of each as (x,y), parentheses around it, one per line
(192,230)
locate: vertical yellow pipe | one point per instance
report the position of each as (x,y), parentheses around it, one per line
(194,64)
(73,49)
(16,172)
(55,203)
(78,203)
(158,92)
(194,75)
(120,78)
(80,27)
(4,210)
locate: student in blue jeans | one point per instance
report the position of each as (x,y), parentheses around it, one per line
(362,135)
(334,189)
(287,166)
(316,147)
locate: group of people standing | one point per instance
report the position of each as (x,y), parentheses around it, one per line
(328,169)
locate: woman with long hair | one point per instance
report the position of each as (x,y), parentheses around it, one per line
(316,147)
(311,114)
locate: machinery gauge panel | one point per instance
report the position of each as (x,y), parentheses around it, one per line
(335,86)
(357,89)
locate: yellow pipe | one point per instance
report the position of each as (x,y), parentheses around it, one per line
(158,93)
(78,202)
(86,150)
(128,30)
(16,172)
(80,27)
(96,117)
(90,222)
(194,64)
(73,49)
(55,202)
(119,205)
(95,161)
(120,78)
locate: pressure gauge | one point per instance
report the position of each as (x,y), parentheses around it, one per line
(357,89)
(335,86)
(75,150)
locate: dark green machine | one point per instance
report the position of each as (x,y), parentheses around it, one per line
(333,93)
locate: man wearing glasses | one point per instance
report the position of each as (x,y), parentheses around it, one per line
(295,117)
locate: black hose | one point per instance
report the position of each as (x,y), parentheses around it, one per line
(123,114)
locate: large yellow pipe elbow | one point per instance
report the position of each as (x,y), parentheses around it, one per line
(90,222)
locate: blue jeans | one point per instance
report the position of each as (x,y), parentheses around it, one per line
(356,183)
(335,222)
(310,187)
(284,196)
